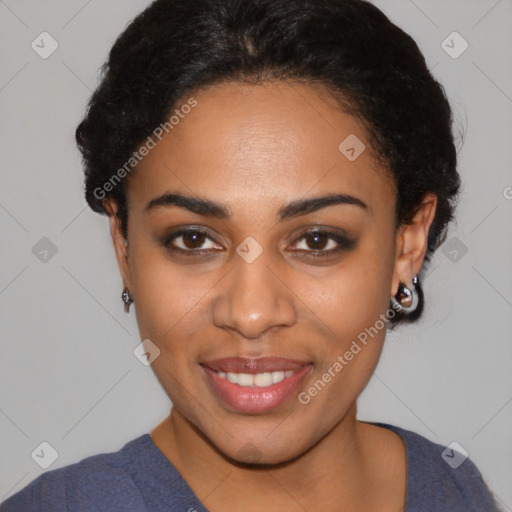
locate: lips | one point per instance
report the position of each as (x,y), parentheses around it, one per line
(254,365)
(255,386)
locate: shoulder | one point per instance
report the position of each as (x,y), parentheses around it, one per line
(98,482)
(440,477)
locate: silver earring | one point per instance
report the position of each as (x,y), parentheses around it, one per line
(127,299)
(406,300)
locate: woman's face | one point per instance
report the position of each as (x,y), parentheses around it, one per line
(235,294)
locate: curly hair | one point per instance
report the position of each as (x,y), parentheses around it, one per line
(374,69)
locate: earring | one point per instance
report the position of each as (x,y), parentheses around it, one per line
(406,300)
(127,299)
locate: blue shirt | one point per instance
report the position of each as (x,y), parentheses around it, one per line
(140,478)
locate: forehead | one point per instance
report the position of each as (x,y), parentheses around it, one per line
(268,142)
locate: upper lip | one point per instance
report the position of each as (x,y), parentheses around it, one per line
(254,365)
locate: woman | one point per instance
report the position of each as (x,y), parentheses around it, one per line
(277,176)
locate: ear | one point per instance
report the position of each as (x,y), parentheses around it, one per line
(119,241)
(412,243)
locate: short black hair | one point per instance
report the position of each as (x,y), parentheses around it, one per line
(375,69)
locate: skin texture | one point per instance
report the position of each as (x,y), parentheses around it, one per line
(256,148)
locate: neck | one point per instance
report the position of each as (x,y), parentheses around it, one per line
(335,470)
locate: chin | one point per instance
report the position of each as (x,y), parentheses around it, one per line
(264,451)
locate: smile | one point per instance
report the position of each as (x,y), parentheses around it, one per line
(261,380)
(255,386)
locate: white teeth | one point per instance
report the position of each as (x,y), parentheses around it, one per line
(261,380)
(277,377)
(232,377)
(245,379)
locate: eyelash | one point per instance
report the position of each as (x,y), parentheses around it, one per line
(343,243)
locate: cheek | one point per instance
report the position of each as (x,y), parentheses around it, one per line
(166,295)
(354,306)
(172,311)
(347,361)
(353,295)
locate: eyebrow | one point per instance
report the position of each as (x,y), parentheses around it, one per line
(294,209)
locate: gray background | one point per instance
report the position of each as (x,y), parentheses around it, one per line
(68,373)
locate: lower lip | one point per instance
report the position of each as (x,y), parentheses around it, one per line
(253,399)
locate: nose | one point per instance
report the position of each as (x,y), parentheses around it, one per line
(253,298)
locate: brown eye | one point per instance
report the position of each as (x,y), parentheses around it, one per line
(317,240)
(189,241)
(323,243)
(193,239)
